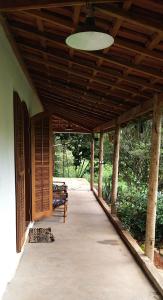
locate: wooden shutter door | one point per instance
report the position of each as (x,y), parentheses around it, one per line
(19,172)
(27,154)
(41,168)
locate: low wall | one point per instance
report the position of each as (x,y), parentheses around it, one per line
(147,266)
(158,260)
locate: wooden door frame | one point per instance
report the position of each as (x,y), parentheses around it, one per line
(20,223)
(27,154)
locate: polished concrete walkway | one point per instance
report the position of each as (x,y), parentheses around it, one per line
(88,260)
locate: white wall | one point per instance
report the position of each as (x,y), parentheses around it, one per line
(11,78)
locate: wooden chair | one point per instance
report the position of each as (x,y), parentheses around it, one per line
(60,198)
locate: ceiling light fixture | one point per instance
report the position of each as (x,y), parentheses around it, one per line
(88,37)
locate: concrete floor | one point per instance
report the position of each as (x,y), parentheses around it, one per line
(87,261)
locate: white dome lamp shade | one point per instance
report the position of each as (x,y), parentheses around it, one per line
(88,37)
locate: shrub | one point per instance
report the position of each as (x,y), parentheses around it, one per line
(132,208)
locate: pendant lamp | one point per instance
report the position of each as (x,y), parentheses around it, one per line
(88,37)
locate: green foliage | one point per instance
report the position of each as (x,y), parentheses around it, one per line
(132,212)
(79,145)
(135,154)
(73,155)
(73,160)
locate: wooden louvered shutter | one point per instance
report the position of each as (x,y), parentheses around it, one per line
(19,172)
(41,168)
(27,154)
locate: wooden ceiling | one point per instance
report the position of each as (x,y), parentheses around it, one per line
(62,125)
(90,88)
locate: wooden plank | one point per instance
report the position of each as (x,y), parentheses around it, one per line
(153,180)
(129,115)
(19,5)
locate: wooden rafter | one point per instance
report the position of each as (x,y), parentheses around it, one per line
(109,105)
(80,75)
(71,115)
(92,87)
(75,62)
(133,19)
(114,31)
(118,42)
(19,5)
(54,40)
(132,114)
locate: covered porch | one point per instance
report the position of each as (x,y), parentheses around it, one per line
(88,260)
(47,87)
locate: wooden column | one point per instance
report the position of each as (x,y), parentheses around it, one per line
(153,180)
(92,164)
(53,152)
(100,165)
(115,170)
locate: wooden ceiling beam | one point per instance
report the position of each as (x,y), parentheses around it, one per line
(84,76)
(19,5)
(138,49)
(80,107)
(79,110)
(72,88)
(67,117)
(44,93)
(114,31)
(76,92)
(71,115)
(131,66)
(131,18)
(51,54)
(51,19)
(80,75)
(74,95)
(118,42)
(129,115)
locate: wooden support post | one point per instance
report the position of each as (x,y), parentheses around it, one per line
(92,164)
(53,153)
(115,170)
(153,180)
(100,165)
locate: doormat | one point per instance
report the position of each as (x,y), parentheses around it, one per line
(40,235)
